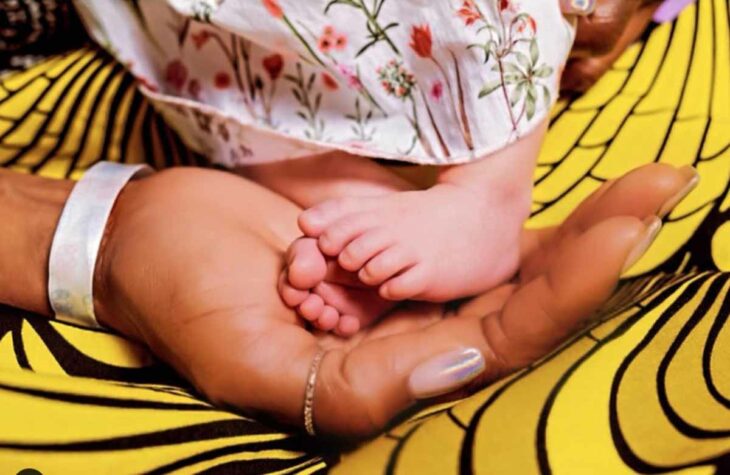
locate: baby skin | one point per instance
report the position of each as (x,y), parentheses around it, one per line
(371,239)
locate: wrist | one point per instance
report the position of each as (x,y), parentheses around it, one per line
(110,312)
(30,208)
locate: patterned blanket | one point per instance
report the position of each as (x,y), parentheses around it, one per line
(644,389)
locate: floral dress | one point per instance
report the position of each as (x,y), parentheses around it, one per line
(424,81)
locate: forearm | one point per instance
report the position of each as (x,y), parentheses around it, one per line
(30,207)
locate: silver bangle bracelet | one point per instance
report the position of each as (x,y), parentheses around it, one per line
(77,238)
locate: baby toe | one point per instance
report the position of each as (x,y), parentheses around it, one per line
(328,319)
(307,265)
(315,220)
(334,239)
(385,265)
(363,248)
(347,326)
(312,307)
(408,285)
(292,297)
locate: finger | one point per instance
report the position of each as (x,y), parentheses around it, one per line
(599,43)
(369,385)
(670,9)
(597,34)
(381,377)
(577,7)
(533,241)
(653,189)
(573,286)
(648,190)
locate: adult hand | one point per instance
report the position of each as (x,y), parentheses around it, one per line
(602,37)
(190,264)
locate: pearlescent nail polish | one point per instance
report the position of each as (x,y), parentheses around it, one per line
(446,373)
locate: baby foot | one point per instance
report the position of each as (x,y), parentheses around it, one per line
(439,244)
(325,295)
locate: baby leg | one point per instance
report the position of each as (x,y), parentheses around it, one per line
(312,180)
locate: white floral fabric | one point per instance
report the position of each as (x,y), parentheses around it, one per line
(425,81)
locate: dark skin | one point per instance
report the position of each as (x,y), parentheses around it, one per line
(602,37)
(191,273)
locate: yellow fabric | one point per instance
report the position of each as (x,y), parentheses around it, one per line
(646,389)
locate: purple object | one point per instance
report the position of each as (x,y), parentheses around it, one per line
(670,9)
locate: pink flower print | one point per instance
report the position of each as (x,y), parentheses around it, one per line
(222,80)
(437,90)
(340,42)
(324,43)
(396,80)
(353,81)
(329,82)
(194,88)
(200,38)
(176,74)
(469,12)
(273,7)
(331,39)
(527,22)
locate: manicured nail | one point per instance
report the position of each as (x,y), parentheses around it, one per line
(445,373)
(578,7)
(693,178)
(669,10)
(653,226)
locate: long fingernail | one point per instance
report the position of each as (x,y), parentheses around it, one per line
(445,373)
(669,10)
(693,178)
(653,226)
(578,7)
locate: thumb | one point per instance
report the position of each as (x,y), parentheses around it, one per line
(578,280)
(373,382)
